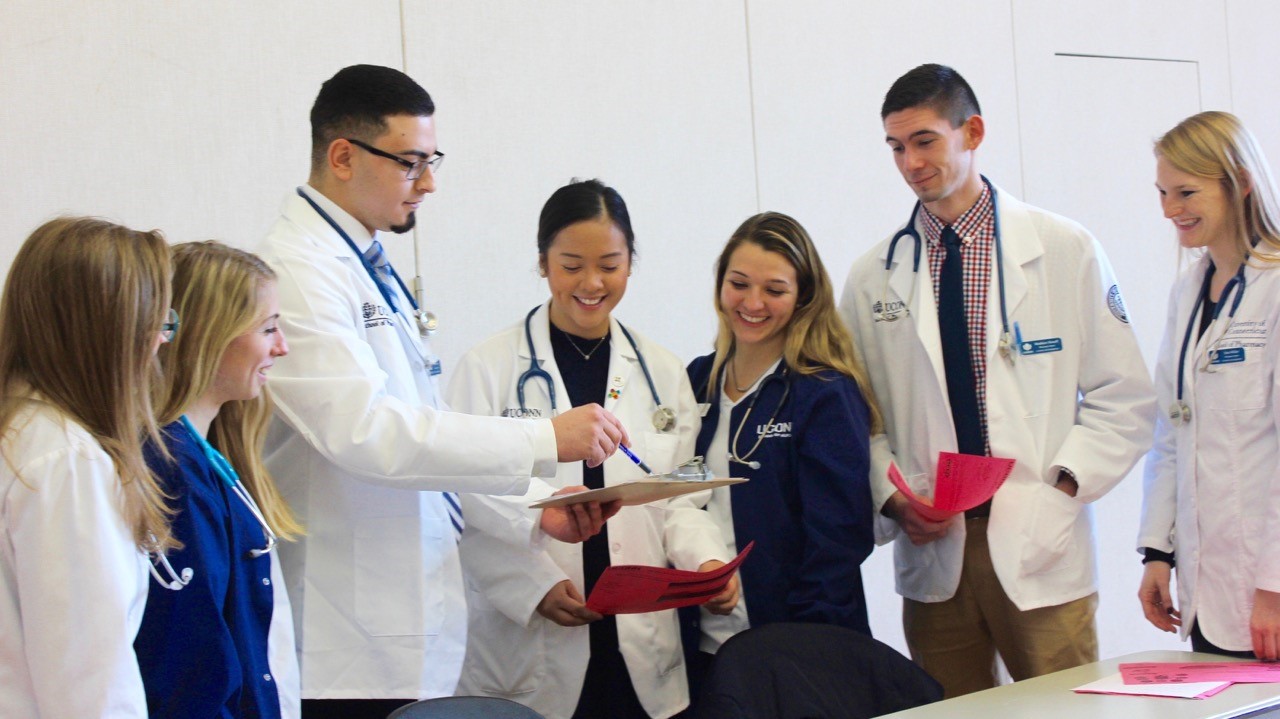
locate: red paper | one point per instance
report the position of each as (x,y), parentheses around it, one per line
(636,589)
(962,482)
(1191,672)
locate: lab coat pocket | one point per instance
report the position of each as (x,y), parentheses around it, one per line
(405,554)
(1034,374)
(1048,530)
(1236,386)
(658,450)
(516,665)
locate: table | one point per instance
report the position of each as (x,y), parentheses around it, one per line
(1050,697)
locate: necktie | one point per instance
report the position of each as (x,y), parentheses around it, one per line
(957,358)
(385,277)
(382,272)
(455,513)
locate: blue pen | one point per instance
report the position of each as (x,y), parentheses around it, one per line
(635,459)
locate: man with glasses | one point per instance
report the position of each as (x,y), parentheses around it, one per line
(376,584)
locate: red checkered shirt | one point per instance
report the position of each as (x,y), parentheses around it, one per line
(977,231)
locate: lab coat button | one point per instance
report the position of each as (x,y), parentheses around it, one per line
(616,547)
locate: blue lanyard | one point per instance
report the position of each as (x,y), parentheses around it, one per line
(363,262)
(221,466)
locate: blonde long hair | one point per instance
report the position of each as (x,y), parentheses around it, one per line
(216,293)
(1215,145)
(79,319)
(816,338)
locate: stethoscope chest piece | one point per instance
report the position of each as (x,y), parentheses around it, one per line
(428,323)
(1179,413)
(664,419)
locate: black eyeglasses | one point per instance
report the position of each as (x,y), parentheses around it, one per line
(170,328)
(412,170)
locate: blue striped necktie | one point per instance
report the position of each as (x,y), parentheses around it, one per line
(383,274)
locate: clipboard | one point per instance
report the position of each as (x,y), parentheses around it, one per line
(640,491)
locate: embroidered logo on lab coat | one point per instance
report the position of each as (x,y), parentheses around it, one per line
(376,316)
(775,430)
(1115,303)
(516,412)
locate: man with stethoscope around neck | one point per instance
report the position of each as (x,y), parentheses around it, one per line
(376,583)
(1015,344)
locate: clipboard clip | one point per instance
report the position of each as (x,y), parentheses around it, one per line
(694,470)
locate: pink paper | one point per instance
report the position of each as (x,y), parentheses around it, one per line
(922,505)
(636,589)
(1114,684)
(962,482)
(1191,672)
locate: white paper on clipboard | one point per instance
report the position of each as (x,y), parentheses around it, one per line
(641,491)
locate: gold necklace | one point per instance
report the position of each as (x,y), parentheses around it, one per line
(733,377)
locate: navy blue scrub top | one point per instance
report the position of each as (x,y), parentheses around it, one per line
(202,650)
(808,506)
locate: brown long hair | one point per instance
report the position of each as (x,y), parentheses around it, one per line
(81,309)
(816,338)
(216,293)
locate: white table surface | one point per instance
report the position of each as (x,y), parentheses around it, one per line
(1050,697)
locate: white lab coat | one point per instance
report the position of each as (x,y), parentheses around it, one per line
(282,654)
(515,653)
(73,584)
(1087,408)
(376,584)
(1212,487)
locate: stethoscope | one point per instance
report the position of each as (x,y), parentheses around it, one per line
(427,322)
(228,475)
(782,375)
(881,315)
(1179,411)
(664,418)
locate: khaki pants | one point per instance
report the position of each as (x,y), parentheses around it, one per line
(956,641)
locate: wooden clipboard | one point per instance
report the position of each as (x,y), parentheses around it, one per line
(641,491)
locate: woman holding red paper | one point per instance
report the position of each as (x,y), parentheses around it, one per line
(788,406)
(1212,488)
(531,637)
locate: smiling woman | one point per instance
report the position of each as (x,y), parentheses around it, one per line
(527,606)
(203,647)
(1209,492)
(788,406)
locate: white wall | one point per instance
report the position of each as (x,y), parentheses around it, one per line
(193,118)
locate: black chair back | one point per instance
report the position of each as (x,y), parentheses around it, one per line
(465,708)
(811,671)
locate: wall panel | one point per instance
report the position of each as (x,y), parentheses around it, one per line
(190,117)
(650,97)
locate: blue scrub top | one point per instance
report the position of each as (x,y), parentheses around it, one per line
(202,650)
(808,506)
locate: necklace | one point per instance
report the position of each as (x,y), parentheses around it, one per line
(574,345)
(733,377)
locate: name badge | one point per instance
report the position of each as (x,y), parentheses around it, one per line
(1036,347)
(1228,355)
(703,408)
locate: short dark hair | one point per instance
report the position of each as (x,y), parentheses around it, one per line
(936,86)
(579,201)
(357,101)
